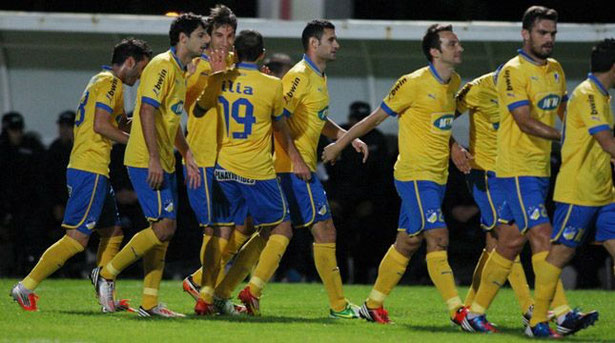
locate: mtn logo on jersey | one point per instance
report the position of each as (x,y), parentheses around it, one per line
(549,102)
(178,107)
(444,123)
(324,113)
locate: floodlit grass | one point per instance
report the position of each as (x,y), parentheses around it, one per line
(291,312)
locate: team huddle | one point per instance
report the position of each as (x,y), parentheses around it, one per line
(249,161)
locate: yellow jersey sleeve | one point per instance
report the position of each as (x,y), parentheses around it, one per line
(400,97)
(295,87)
(155,84)
(278,102)
(109,94)
(513,89)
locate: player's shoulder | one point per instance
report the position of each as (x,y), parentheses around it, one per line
(301,70)
(554,63)
(270,79)
(106,79)
(584,90)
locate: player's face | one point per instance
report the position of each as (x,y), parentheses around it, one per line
(134,73)
(541,39)
(197,42)
(328,45)
(223,37)
(450,48)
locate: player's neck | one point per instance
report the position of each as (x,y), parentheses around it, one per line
(444,71)
(535,59)
(319,62)
(116,70)
(182,54)
(606,79)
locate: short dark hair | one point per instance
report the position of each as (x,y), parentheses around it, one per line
(221,15)
(249,45)
(315,28)
(431,39)
(277,62)
(603,56)
(185,23)
(130,47)
(537,13)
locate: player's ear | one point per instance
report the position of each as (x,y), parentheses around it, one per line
(183,37)
(435,53)
(525,34)
(314,42)
(261,56)
(130,62)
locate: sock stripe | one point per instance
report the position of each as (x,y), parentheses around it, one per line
(377,296)
(109,268)
(258,282)
(150,291)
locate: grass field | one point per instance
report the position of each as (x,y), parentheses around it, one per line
(291,312)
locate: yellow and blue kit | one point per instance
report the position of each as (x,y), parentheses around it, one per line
(247,102)
(480,98)
(425,105)
(584,193)
(203,141)
(523,161)
(306,98)
(91,202)
(163,87)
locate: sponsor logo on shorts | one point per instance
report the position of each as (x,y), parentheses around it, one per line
(536,212)
(432,216)
(169,207)
(91,225)
(322,210)
(570,232)
(225,175)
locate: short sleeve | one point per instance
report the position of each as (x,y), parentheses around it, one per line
(590,108)
(294,87)
(278,102)
(109,93)
(464,97)
(512,90)
(155,83)
(400,97)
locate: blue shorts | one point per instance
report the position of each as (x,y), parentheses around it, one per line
(155,203)
(572,223)
(200,198)
(91,202)
(523,201)
(421,206)
(262,198)
(307,200)
(486,196)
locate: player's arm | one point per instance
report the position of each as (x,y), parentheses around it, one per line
(209,95)
(147,114)
(283,136)
(192,169)
(125,123)
(533,127)
(333,150)
(460,156)
(606,140)
(334,132)
(103,126)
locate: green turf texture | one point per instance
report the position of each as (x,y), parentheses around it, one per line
(291,313)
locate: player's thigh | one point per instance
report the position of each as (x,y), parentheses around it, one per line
(266,203)
(307,200)
(605,227)
(158,203)
(421,203)
(86,199)
(571,223)
(524,201)
(200,198)
(480,187)
(228,202)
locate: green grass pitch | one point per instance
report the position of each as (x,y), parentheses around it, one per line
(291,313)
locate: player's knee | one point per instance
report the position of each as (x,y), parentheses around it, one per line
(284,229)
(164,230)
(80,237)
(324,232)
(407,245)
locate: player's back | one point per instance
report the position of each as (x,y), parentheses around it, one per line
(523,82)
(248,101)
(480,98)
(91,151)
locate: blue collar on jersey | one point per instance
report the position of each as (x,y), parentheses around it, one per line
(174,54)
(312,65)
(497,73)
(595,80)
(435,74)
(205,57)
(528,57)
(106,67)
(245,65)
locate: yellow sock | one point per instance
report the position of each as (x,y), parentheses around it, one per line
(268,263)
(107,249)
(547,277)
(153,267)
(442,276)
(197,276)
(234,244)
(495,273)
(391,269)
(518,282)
(476,278)
(140,243)
(52,259)
(243,264)
(329,272)
(211,267)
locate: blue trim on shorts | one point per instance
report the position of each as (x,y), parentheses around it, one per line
(421,206)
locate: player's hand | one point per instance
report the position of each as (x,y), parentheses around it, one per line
(331,153)
(191,67)
(217,61)
(193,179)
(301,170)
(155,174)
(361,148)
(461,158)
(266,70)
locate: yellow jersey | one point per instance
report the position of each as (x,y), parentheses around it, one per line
(201,136)
(543,88)
(585,175)
(91,151)
(425,105)
(306,100)
(480,98)
(162,86)
(247,102)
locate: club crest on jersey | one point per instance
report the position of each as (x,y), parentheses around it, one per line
(549,102)
(178,107)
(556,76)
(324,113)
(444,123)
(496,126)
